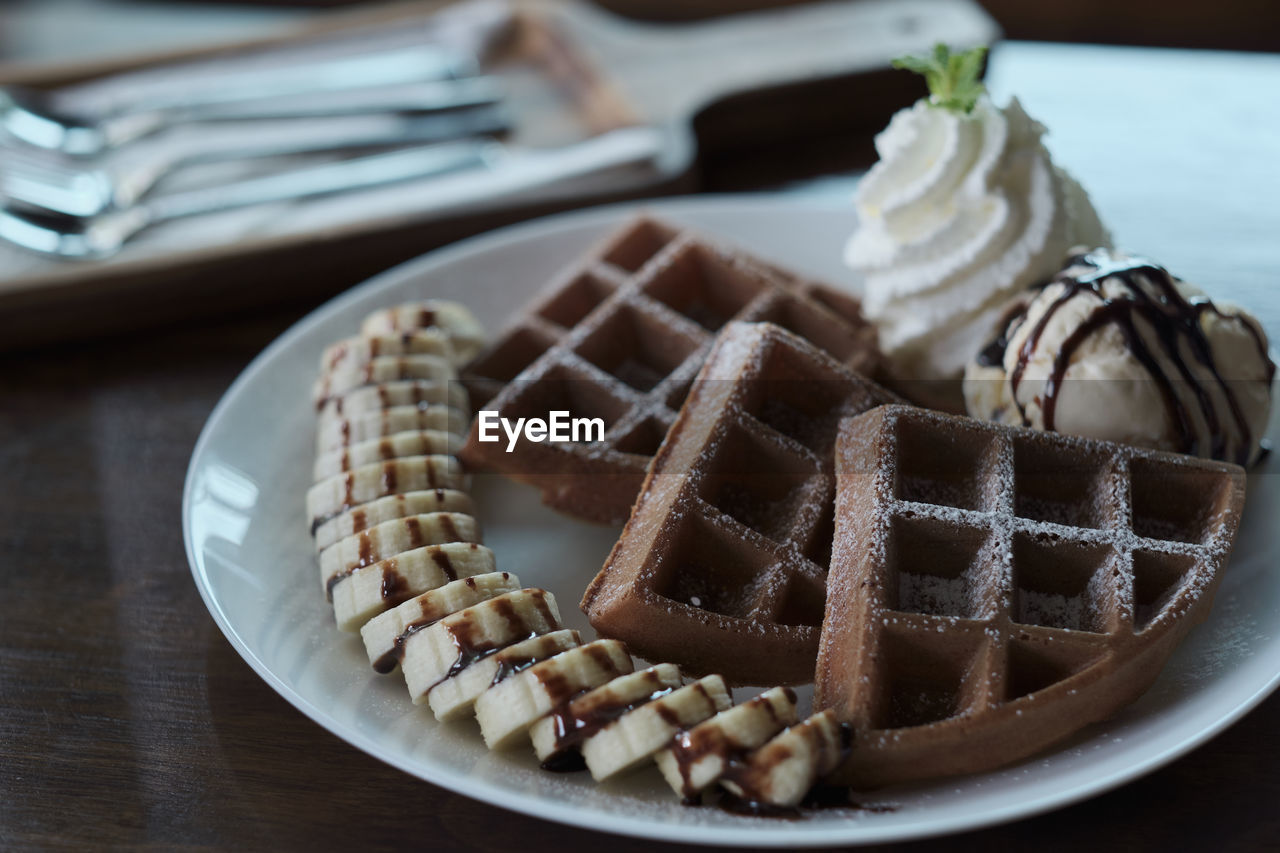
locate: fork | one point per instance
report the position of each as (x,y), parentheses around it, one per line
(36,118)
(87,187)
(484,171)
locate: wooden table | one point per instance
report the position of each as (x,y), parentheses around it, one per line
(127,719)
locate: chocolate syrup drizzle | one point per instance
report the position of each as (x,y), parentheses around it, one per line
(388,661)
(820,798)
(1174,319)
(562,692)
(575,725)
(393,585)
(509,665)
(463,633)
(692,745)
(739,770)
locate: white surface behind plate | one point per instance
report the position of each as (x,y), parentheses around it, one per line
(251,557)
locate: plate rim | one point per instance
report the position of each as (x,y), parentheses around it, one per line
(853,833)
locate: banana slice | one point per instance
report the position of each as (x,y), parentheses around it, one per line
(407,392)
(699,757)
(385,633)
(558,735)
(507,710)
(387,368)
(447,647)
(368,591)
(383,422)
(405,504)
(455,697)
(782,771)
(395,537)
(425,442)
(379,479)
(359,350)
(634,738)
(465,332)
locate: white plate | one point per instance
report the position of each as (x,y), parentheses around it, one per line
(252,560)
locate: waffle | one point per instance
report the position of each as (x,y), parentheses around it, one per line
(994,589)
(399,551)
(620,339)
(723,564)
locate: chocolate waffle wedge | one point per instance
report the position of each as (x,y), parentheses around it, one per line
(993,590)
(722,567)
(620,339)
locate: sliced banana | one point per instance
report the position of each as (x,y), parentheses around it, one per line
(634,738)
(359,350)
(455,697)
(384,634)
(565,728)
(379,479)
(368,591)
(387,368)
(408,392)
(507,710)
(399,554)
(450,645)
(383,422)
(395,537)
(465,332)
(699,756)
(369,515)
(782,771)
(423,442)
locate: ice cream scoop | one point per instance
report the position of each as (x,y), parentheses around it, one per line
(1114,347)
(964,210)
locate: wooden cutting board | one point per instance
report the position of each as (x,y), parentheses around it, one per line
(574,70)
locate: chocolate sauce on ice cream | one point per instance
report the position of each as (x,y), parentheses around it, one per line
(1162,327)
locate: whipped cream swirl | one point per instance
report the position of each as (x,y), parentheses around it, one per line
(962,212)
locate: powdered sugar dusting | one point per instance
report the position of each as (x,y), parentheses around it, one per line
(1072,582)
(625,333)
(758,489)
(1043,608)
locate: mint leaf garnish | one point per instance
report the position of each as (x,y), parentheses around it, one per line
(952,77)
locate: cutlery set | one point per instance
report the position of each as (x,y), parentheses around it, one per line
(80,183)
(483,170)
(140,191)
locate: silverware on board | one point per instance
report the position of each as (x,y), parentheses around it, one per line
(37,118)
(93,186)
(465,173)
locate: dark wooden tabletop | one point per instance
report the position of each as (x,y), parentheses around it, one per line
(127,719)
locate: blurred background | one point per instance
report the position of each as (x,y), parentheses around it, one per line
(791,104)
(38,30)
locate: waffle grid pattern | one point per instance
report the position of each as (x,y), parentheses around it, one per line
(622,339)
(1002,563)
(723,564)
